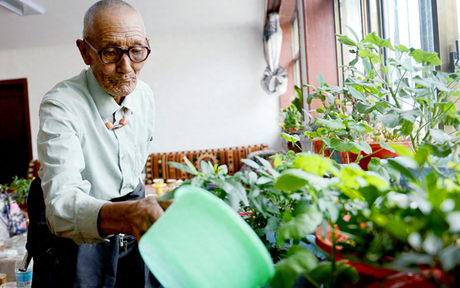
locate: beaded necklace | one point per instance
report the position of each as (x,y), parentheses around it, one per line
(123,121)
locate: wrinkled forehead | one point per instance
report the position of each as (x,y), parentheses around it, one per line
(117,21)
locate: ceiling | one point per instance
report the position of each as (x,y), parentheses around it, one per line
(62,22)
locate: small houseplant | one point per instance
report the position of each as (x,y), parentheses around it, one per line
(19,190)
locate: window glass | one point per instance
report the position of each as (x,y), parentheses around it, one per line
(295,35)
(351,16)
(458,17)
(408,23)
(296,50)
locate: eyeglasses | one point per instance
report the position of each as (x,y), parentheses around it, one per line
(114,54)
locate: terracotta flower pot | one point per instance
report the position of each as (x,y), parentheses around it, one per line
(382,154)
(367,273)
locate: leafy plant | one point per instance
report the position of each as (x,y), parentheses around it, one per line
(292,120)
(402,92)
(19,189)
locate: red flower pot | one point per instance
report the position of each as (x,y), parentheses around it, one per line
(367,274)
(377,151)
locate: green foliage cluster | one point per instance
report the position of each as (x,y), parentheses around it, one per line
(403,213)
(292,120)
(19,189)
(403,93)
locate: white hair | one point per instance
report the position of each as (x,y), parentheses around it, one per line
(101,6)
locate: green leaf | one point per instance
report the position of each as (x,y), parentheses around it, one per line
(254,191)
(410,261)
(410,115)
(402,169)
(386,146)
(236,192)
(440,136)
(344,273)
(370,194)
(321,80)
(349,174)
(190,166)
(292,180)
(315,164)
(356,94)
(401,48)
(289,269)
(311,96)
(375,180)
(352,32)
(331,99)
(346,40)
(341,145)
(250,163)
(374,39)
(364,108)
(297,102)
(300,225)
(330,207)
(206,167)
(406,66)
(390,119)
(183,167)
(447,107)
(290,137)
(336,124)
(263,180)
(363,146)
(450,257)
(353,62)
(426,58)
(298,90)
(407,127)
(421,156)
(268,166)
(367,67)
(272,224)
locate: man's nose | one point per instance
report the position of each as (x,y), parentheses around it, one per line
(124,64)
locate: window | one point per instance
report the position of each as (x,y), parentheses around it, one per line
(296,50)
(409,22)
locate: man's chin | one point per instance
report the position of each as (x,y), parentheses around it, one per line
(122,91)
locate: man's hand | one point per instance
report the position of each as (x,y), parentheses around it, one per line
(131,217)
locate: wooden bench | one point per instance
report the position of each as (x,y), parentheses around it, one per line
(156,167)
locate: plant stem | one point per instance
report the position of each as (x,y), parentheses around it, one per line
(334,256)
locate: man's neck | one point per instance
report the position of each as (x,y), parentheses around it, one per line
(118,99)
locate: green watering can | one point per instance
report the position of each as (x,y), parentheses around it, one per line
(201,242)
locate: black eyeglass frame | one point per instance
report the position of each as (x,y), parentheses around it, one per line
(122,50)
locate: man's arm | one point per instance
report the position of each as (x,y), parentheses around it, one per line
(130,217)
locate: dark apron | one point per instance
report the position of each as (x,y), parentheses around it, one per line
(60,262)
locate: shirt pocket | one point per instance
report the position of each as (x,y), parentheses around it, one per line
(142,152)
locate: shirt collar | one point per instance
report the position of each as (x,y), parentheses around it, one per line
(105,103)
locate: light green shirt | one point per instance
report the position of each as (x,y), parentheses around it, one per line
(83,164)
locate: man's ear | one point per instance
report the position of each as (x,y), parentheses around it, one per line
(84,51)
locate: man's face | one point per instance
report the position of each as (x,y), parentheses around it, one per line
(115,28)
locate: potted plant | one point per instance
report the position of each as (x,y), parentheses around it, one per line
(293,125)
(19,190)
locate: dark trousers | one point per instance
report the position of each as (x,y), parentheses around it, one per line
(59,262)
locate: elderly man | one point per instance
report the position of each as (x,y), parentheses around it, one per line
(95,133)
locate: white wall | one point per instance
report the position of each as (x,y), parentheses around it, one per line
(206,88)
